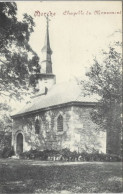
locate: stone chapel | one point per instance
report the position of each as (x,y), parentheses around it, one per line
(58,116)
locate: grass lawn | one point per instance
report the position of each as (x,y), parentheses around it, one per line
(23,176)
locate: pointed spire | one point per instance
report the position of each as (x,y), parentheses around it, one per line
(46,46)
(46,65)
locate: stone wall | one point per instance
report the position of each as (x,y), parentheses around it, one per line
(78,130)
(85,136)
(48,137)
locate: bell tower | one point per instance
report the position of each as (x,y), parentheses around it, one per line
(46,78)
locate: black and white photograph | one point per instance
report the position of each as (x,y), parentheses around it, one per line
(61,97)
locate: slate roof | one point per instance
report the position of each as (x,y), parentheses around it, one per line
(59,94)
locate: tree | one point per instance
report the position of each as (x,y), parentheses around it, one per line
(18,62)
(5,126)
(17,59)
(105,79)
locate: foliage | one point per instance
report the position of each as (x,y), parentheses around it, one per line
(7,152)
(67,155)
(5,139)
(17,59)
(5,126)
(105,80)
(5,120)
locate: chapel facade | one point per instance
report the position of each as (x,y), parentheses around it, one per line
(58,116)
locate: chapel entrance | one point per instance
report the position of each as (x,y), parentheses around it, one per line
(19,144)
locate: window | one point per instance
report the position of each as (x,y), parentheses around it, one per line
(37,126)
(60,123)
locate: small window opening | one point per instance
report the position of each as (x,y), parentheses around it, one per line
(60,123)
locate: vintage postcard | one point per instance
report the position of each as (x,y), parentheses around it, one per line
(61,97)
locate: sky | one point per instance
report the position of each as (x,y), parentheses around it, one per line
(79,30)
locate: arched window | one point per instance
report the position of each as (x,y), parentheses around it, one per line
(37,126)
(60,123)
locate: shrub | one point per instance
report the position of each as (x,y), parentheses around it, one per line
(67,155)
(7,152)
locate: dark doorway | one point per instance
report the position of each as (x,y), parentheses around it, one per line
(19,148)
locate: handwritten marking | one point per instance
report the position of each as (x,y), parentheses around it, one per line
(37,13)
